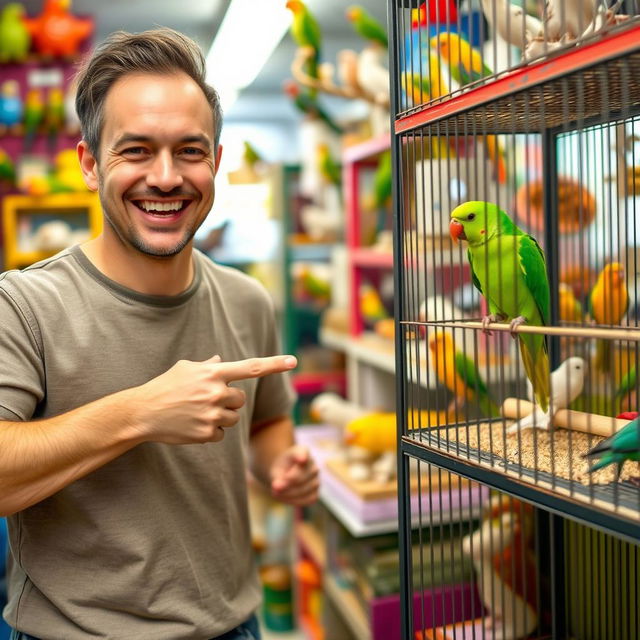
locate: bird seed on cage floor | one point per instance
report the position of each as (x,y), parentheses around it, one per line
(532,450)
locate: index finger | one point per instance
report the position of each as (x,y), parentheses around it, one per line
(254,367)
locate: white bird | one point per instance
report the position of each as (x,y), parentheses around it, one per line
(568,17)
(567,382)
(333,409)
(602,18)
(373,73)
(511,22)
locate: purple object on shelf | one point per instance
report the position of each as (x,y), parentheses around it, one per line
(433,608)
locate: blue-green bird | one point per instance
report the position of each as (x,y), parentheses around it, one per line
(617,449)
(508,268)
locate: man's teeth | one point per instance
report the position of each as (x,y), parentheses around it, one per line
(161,206)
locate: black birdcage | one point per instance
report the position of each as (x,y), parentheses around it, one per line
(516,149)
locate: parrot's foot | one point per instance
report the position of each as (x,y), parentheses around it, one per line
(516,322)
(487,320)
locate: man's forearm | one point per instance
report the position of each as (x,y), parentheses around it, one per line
(39,458)
(268,441)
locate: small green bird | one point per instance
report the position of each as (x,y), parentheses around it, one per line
(617,449)
(7,169)
(33,117)
(367,26)
(306,103)
(250,155)
(305,32)
(329,168)
(15,39)
(627,384)
(508,268)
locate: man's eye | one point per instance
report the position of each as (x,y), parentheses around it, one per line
(134,151)
(192,151)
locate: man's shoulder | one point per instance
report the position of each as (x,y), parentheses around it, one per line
(33,279)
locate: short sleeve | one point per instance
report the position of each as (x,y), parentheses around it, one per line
(274,395)
(21,363)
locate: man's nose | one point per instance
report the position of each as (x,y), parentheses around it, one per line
(164,173)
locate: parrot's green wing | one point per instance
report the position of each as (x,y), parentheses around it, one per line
(474,277)
(466,369)
(533,266)
(627,440)
(627,383)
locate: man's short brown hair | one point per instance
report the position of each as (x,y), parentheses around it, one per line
(157,51)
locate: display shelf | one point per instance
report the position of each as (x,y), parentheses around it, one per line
(366,150)
(309,383)
(312,542)
(32,211)
(349,606)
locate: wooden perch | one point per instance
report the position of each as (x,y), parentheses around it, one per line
(592,423)
(326,84)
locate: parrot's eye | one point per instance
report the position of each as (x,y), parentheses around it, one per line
(471,216)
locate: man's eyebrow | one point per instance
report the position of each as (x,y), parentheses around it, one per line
(127,138)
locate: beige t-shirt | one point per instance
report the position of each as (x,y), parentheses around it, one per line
(155,544)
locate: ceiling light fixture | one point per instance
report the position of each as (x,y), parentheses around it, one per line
(248,35)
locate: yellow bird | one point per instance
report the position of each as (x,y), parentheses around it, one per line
(569,307)
(459,373)
(377,432)
(608,303)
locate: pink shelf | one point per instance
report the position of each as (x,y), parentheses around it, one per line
(364,257)
(366,150)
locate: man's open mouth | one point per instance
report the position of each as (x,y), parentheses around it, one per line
(161,209)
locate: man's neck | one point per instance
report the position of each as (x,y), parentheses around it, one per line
(142,273)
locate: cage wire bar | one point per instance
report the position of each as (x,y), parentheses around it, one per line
(515,142)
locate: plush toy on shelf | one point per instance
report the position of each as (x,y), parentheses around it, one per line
(11,107)
(56,32)
(15,39)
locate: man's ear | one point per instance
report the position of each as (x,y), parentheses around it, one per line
(218,156)
(89,165)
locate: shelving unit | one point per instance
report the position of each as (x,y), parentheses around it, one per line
(569,113)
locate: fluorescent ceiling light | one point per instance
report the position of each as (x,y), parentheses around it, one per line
(250,31)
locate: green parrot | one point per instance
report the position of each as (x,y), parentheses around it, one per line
(250,156)
(627,384)
(15,39)
(307,104)
(7,169)
(330,170)
(508,268)
(382,181)
(33,117)
(54,116)
(617,449)
(306,33)
(367,26)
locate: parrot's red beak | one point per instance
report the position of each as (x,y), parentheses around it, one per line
(457,231)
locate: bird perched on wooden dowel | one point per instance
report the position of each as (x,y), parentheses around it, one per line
(567,383)
(305,32)
(508,268)
(368,27)
(511,22)
(307,104)
(460,375)
(608,302)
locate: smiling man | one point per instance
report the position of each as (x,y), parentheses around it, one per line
(139,382)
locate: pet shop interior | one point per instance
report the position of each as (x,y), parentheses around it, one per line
(440,197)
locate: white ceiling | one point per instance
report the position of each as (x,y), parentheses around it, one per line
(199,19)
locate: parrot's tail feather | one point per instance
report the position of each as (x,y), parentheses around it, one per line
(603,355)
(600,464)
(538,373)
(488,406)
